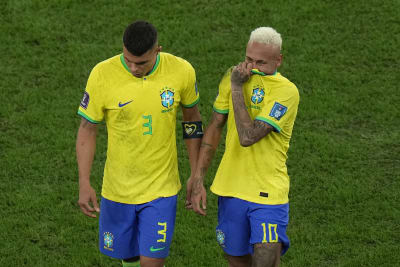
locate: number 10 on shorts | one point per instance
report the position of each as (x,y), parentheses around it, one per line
(162,232)
(272,234)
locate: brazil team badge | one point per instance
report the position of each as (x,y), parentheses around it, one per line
(220,238)
(167,97)
(258,95)
(108,240)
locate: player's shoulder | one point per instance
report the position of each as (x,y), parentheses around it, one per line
(228,73)
(173,61)
(287,86)
(111,62)
(107,64)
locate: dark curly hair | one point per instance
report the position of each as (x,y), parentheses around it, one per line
(140,37)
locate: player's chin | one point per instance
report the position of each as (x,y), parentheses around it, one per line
(137,75)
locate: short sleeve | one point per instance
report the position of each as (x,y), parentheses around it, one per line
(281,108)
(190,94)
(221,103)
(92,104)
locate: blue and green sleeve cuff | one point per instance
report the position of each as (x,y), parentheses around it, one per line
(221,111)
(191,105)
(86,117)
(272,123)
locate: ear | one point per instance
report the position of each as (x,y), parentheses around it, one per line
(279,60)
(159,48)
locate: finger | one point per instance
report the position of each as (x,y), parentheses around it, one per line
(204,201)
(188,205)
(95,204)
(87,210)
(197,208)
(249,66)
(188,195)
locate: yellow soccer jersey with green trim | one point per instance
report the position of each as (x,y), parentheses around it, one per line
(140,114)
(258,173)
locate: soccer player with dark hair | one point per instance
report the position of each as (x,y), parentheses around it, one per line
(260,106)
(137,94)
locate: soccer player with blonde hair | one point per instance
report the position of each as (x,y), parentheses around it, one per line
(260,106)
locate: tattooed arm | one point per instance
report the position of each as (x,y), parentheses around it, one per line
(249,131)
(85,149)
(195,189)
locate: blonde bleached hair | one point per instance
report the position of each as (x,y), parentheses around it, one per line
(266,35)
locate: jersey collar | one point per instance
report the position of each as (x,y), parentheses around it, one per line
(256,71)
(154,67)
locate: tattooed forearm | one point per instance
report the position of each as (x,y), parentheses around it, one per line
(218,120)
(249,131)
(207,151)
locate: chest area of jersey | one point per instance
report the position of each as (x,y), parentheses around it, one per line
(145,96)
(255,98)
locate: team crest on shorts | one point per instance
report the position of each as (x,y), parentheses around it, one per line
(108,240)
(167,97)
(258,95)
(220,238)
(277,111)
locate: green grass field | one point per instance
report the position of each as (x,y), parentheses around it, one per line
(345,151)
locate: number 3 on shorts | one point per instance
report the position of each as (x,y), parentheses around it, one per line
(162,232)
(271,233)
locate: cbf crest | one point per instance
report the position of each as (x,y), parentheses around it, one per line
(258,94)
(167,97)
(108,240)
(220,238)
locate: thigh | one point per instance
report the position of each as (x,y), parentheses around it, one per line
(233,230)
(268,225)
(118,230)
(156,223)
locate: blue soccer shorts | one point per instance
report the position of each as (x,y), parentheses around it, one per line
(241,224)
(129,230)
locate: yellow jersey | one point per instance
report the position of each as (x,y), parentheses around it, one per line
(140,115)
(257,173)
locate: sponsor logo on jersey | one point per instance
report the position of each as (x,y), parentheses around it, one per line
(124,104)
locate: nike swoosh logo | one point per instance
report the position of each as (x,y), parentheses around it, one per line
(155,249)
(123,104)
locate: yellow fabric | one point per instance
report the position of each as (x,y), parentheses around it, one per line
(141,160)
(245,172)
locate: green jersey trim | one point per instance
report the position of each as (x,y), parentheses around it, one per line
(124,63)
(154,67)
(256,71)
(273,124)
(222,111)
(193,104)
(87,118)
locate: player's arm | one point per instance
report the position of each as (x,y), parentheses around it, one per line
(208,147)
(85,150)
(249,131)
(192,133)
